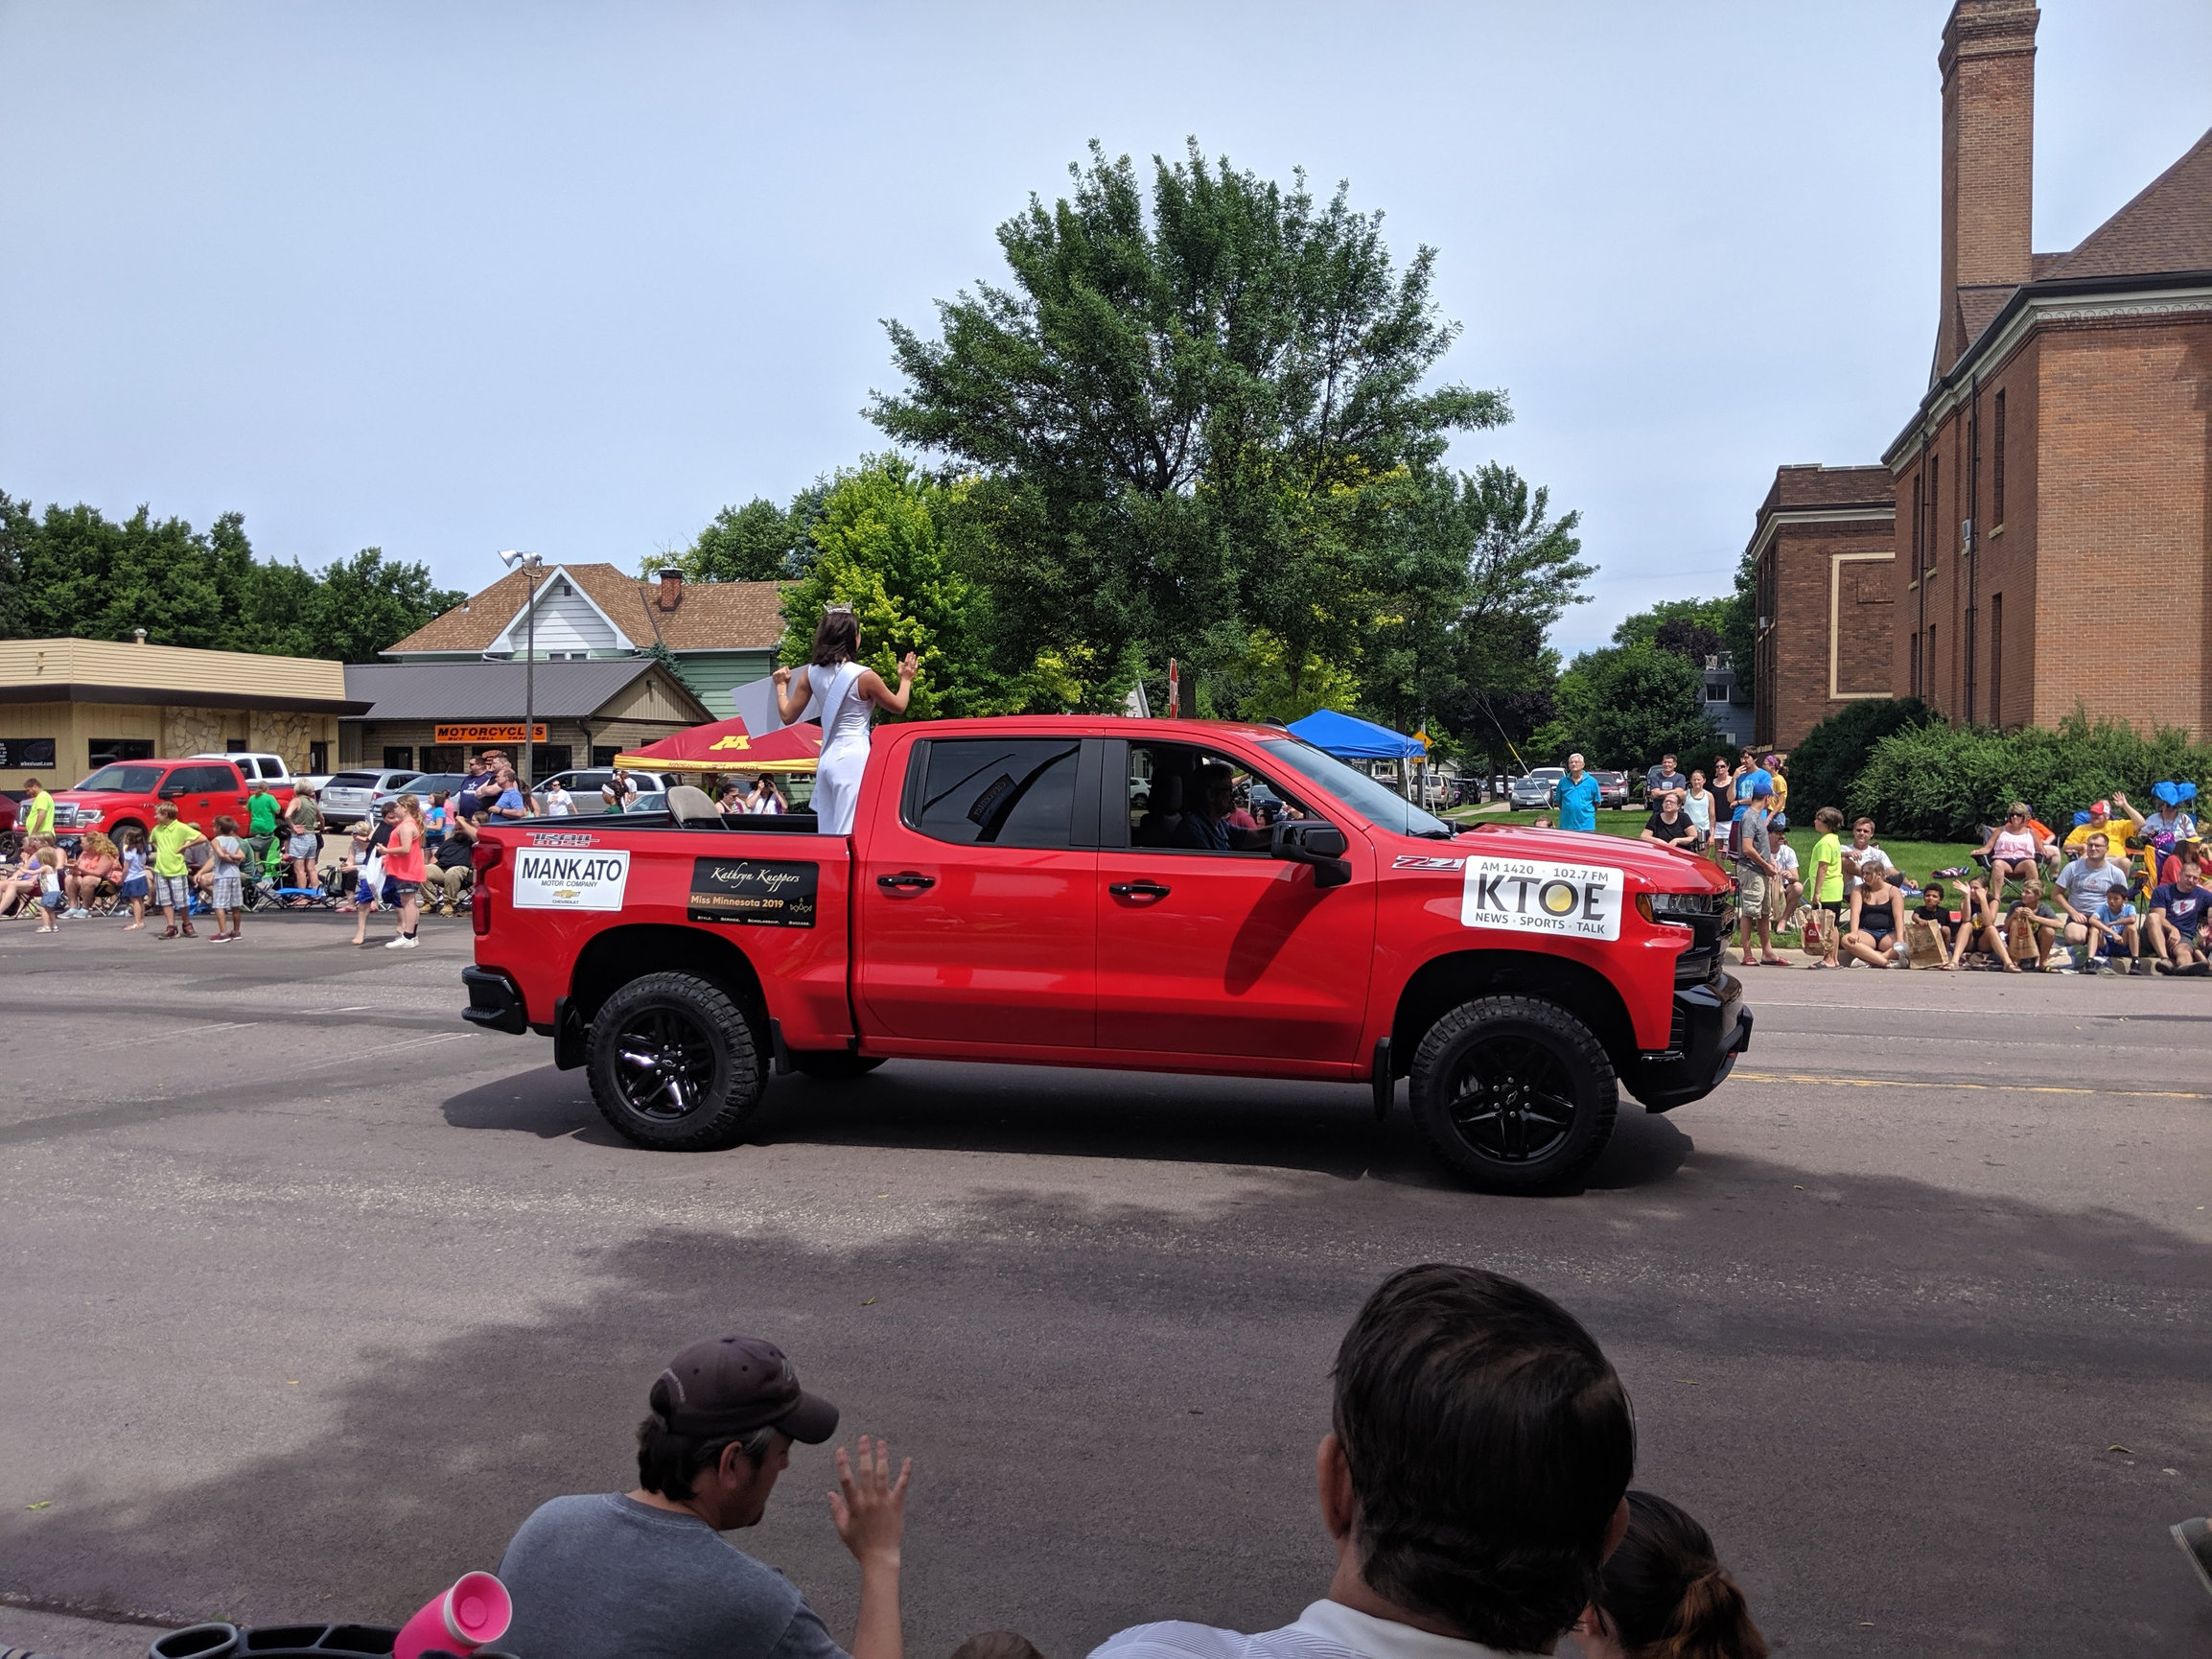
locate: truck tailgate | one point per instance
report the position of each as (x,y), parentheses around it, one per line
(565,899)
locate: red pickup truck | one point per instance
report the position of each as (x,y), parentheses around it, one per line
(1069,890)
(122,795)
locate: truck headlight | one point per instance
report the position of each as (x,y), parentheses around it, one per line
(1680,908)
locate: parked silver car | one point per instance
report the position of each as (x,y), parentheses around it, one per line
(1532,790)
(349,797)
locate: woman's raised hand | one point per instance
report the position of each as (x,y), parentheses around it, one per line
(782,677)
(907,666)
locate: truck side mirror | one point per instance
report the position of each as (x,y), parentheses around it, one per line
(1305,841)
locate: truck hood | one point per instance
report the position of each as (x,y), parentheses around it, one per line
(1666,870)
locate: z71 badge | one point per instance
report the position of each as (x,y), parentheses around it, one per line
(1533,896)
(1424,861)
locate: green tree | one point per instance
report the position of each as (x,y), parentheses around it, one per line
(366,602)
(19,531)
(1175,397)
(885,545)
(749,543)
(75,573)
(1625,706)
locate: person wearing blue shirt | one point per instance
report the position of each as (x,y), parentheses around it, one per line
(1751,778)
(1575,795)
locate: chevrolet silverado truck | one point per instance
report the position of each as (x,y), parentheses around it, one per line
(1070,891)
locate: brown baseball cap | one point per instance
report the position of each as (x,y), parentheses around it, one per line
(734,1384)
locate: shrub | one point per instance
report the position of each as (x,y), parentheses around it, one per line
(1824,767)
(1943,783)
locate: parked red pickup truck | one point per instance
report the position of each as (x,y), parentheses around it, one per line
(1073,891)
(122,795)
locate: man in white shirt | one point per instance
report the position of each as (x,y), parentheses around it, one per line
(1862,855)
(1474,1484)
(559,803)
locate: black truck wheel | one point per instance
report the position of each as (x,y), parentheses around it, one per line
(674,1063)
(833,1065)
(1516,1093)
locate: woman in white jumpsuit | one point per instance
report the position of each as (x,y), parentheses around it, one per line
(843,691)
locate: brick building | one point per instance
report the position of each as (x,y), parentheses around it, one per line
(1824,549)
(2061,458)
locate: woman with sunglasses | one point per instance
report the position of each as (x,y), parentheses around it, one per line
(843,691)
(2014,849)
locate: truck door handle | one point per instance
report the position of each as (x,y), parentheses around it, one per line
(1143,888)
(912,878)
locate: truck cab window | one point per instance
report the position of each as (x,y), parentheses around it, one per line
(1003,792)
(1186,799)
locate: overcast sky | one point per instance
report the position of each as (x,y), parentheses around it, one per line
(447,279)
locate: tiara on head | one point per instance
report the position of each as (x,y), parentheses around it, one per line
(839,609)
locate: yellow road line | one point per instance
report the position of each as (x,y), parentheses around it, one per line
(1985,1087)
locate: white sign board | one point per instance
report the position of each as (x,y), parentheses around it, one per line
(755,706)
(1537,895)
(560,878)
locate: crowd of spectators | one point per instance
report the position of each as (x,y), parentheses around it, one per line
(1474,1488)
(2122,891)
(414,856)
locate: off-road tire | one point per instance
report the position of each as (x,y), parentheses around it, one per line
(673,1064)
(833,1065)
(1515,1093)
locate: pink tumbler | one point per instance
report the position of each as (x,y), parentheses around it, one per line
(475,1611)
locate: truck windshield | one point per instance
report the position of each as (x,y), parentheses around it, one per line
(1377,802)
(124,779)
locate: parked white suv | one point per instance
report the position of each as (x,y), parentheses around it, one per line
(270,769)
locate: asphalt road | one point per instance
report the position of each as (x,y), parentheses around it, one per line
(312,1293)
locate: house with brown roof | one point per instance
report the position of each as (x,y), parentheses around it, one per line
(2055,483)
(720,635)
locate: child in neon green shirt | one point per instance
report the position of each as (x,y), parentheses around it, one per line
(172,875)
(1828,881)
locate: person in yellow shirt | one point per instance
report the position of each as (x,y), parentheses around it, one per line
(1826,883)
(1774,764)
(2100,822)
(36,816)
(172,875)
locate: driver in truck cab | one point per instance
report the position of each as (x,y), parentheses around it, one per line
(1206,824)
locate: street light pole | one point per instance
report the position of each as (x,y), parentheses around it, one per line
(530,563)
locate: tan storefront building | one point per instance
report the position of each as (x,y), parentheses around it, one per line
(436,717)
(68,706)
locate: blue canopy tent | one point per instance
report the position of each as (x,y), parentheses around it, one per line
(1349,737)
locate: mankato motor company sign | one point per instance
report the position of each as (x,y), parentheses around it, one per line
(487,733)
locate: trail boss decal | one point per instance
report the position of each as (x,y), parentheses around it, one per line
(1533,896)
(549,878)
(763,892)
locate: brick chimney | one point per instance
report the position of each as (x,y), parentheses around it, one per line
(671,589)
(1988,73)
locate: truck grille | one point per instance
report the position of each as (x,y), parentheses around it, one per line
(1701,963)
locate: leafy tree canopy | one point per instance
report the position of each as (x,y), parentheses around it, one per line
(76,572)
(1179,406)
(1625,706)
(887,543)
(749,543)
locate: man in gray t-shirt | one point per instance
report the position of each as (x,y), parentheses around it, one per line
(2082,887)
(644,1575)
